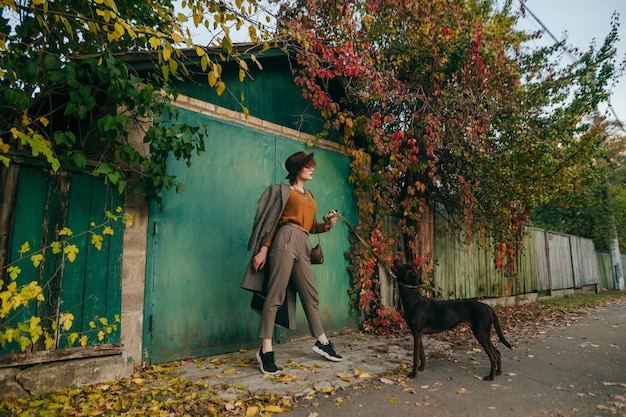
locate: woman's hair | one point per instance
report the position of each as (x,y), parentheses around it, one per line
(294,175)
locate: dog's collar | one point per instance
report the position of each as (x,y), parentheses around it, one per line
(407,285)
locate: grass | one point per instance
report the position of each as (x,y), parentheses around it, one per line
(577,302)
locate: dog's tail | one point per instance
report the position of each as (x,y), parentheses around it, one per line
(496,324)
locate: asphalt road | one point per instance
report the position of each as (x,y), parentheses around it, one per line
(575,369)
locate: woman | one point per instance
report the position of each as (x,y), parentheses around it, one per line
(280,241)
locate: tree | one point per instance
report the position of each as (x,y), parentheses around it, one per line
(445,107)
(71,94)
(69,91)
(593,206)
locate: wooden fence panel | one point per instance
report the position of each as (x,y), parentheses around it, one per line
(560,261)
(585,267)
(605,270)
(543,269)
(527,267)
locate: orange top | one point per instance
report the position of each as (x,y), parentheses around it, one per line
(300,210)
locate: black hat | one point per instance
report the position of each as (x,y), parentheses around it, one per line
(295,162)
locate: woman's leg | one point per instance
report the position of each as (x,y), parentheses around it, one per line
(304,282)
(281,260)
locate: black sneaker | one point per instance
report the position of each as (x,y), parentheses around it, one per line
(327,351)
(266,360)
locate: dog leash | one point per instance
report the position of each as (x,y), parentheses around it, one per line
(367,246)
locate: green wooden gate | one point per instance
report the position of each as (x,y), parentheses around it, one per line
(90,287)
(197,244)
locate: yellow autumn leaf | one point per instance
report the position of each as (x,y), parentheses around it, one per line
(56,247)
(220,87)
(24,248)
(66,231)
(96,240)
(66,320)
(256,61)
(36,259)
(14,271)
(119,29)
(112,5)
(155,42)
(242,75)
(218,68)
(70,251)
(112,36)
(130,30)
(274,409)
(177,37)
(252,411)
(212,79)
(252,33)
(49,341)
(83,340)
(361,374)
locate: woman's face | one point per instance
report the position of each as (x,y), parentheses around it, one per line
(306,173)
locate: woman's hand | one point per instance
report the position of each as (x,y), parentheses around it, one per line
(258,262)
(330,219)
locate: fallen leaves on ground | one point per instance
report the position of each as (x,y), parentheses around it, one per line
(159,391)
(146,395)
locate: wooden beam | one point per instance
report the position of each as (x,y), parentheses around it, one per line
(32,358)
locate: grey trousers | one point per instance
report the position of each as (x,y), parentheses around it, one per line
(289,260)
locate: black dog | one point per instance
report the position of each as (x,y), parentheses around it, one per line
(426,316)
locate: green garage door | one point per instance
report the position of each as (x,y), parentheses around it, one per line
(197,244)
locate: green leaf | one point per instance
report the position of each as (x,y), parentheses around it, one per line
(79,159)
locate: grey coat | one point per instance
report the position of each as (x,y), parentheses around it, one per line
(269,209)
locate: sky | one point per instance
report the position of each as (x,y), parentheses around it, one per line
(584,21)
